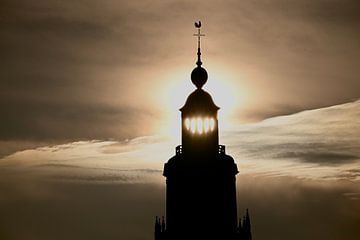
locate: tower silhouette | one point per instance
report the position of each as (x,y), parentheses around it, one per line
(201,177)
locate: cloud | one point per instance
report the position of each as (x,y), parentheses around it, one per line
(292,208)
(92,211)
(60,122)
(77,71)
(322,158)
(321,142)
(82,211)
(353,196)
(88,70)
(294,170)
(316,144)
(352,174)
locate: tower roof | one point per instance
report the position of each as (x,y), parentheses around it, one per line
(199,102)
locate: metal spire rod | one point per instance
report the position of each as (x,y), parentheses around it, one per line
(199,35)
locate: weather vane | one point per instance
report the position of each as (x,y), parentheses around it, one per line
(199,35)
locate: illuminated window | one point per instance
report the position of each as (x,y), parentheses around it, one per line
(193,125)
(187,123)
(212,124)
(200,125)
(206,125)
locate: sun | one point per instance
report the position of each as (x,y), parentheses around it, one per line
(225,91)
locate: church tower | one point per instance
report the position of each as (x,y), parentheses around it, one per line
(201,177)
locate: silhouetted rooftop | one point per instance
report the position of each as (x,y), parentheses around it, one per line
(199,102)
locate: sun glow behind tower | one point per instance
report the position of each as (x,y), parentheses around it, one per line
(223,86)
(227,87)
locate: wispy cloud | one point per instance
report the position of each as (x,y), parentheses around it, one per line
(316,144)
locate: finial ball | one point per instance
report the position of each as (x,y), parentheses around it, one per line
(199,76)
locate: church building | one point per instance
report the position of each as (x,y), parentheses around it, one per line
(201,178)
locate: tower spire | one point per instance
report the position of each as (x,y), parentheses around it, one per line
(199,164)
(199,35)
(199,75)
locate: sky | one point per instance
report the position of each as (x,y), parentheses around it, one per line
(89,99)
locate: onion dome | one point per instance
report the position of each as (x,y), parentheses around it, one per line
(199,102)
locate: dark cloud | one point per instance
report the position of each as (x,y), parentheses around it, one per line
(278,110)
(107,178)
(83,68)
(296,209)
(65,122)
(322,158)
(9,147)
(350,174)
(56,165)
(55,56)
(281,208)
(82,211)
